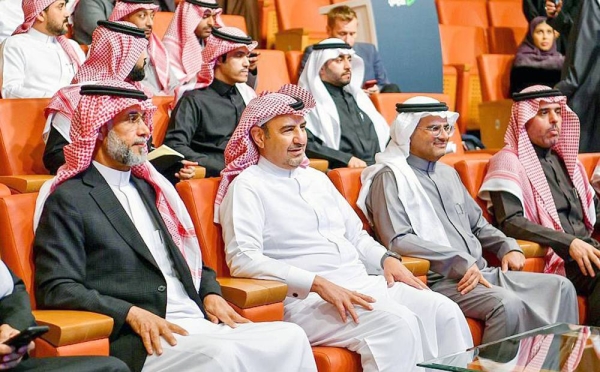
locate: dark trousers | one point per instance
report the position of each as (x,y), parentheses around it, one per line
(589,287)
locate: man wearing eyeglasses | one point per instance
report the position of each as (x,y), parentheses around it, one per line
(419,207)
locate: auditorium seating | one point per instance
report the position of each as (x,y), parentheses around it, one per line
(460,47)
(300,24)
(21,144)
(161,118)
(71,332)
(494,111)
(505,40)
(589,161)
(472,173)
(273,71)
(504,13)
(161,23)
(199,196)
(293,58)
(236,21)
(462,12)
(347,181)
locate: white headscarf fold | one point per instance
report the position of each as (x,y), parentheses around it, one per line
(416,203)
(6,281)
(324,122)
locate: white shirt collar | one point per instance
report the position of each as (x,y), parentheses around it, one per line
(273,169)
(115,178)
(39,36)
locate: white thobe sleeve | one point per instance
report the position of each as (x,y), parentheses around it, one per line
(242,217)
(370,251)
(13,73)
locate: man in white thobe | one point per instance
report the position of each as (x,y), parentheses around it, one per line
(12,17)
(286,222)
(37,60)
(115,238)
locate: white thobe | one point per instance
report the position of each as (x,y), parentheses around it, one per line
(290,225)
(11,17)
(35,65)
(209,346)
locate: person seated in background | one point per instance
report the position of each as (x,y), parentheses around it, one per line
(118,52)
(159,79)
(419,207)
(205,117)
(12,17)
(285,221)
(540,192)
(187,33)
(345,128)
(342,23)
(15,315)
(37,60)
(537,61)
(115,238)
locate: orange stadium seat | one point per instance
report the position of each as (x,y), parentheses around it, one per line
(494,74)
(273,71)
(506,14)
(161,118)
(472,173)
(199,196)
(293,58)
(460,47)
(589,161)
(462,12)
(71,332)
(161,23)
(21,145)
(300,23)
(236,21)
(347,181)
(505,40)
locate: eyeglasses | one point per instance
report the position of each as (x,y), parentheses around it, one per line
(436,130)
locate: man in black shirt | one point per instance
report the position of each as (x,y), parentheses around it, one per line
(540,192)
(205,118)
(345,128)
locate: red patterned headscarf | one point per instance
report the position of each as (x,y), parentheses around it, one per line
(180,40)
(241,151)
(517,169)
(112,56)
(93,113)
(157,53)
(31,9)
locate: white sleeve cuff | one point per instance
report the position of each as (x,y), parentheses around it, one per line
(299,282)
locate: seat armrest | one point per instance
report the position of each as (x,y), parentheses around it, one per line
(531,249)
(68,327)
(417,266)
(25,183)
(199,172)
(319,164)
(247,293)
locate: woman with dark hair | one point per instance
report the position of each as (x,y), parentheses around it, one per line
(537,61)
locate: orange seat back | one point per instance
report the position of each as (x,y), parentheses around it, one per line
(16,245)
(462,44)
(347,181)
(472,172)
(301,14)
(293,58)
(199,198)
(236,21)
(21,145)
(161,118)
(494,74)
(386,103)
(505,40)
(506,14)
(462,12)
(162,20)
(274,70)
(589,161)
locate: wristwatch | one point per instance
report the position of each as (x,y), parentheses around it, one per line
(390,254)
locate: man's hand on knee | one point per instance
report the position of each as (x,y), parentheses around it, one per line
(395,271)
(218,310)
(151,327)
(342,298)
(585,255)
(471,279)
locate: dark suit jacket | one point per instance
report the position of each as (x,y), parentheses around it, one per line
(374,69)
(15,309)
(90,256)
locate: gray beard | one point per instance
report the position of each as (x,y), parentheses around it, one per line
(119,151)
